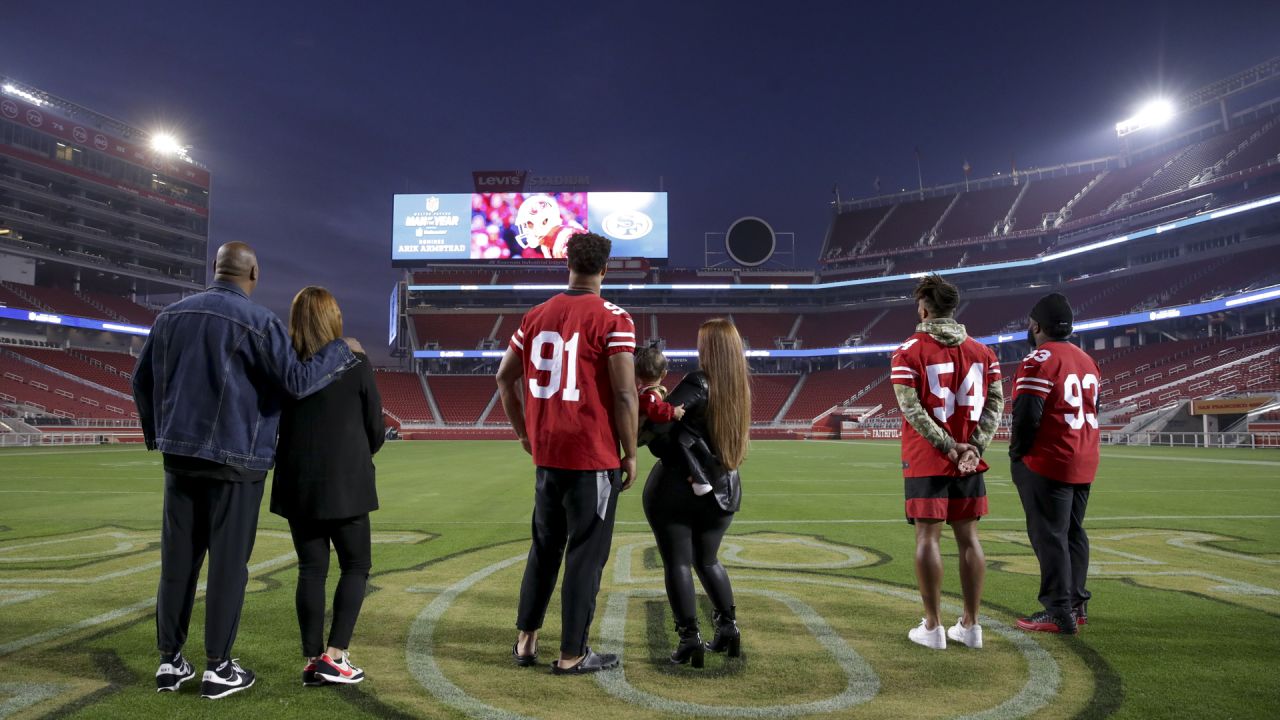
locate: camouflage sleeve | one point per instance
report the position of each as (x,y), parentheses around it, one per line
(914,412)
(990,419)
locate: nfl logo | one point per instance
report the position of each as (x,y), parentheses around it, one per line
(433,203)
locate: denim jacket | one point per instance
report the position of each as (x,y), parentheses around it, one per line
(213,373)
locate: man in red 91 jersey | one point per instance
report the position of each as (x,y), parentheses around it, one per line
(1054,448)
(948,387)
(567,383)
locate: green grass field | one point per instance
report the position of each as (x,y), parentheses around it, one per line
(1185,620)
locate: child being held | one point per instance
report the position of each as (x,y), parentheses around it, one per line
(651,369)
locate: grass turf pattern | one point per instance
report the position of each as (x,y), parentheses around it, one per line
(1184,622)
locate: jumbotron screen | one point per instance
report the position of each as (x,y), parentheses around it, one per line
(495,227)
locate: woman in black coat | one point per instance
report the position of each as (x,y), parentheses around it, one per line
(324,486)
(706,447)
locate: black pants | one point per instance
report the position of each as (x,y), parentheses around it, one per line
(205,516)
(311,539)
(573,509)
(1055,526)
(688,529)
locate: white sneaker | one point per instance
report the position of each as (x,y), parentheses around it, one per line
(935,639)
(968,636)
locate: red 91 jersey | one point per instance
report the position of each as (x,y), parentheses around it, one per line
(951,381)
(564,345)
(1066,446)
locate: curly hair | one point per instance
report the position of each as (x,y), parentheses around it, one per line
(589,253)
(939,296)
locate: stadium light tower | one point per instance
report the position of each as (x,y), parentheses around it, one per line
(1152,114)
(166,144)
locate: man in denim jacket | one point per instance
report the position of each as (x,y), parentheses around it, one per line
(209,385)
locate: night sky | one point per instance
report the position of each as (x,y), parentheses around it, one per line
(312,115)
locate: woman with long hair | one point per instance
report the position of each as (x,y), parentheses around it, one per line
(706,447)
(324,486)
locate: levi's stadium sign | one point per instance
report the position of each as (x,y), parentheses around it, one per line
(487,181)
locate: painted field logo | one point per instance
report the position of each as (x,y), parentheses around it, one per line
(801,604)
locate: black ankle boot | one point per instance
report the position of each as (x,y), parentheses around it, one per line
(690,650)
(728,638)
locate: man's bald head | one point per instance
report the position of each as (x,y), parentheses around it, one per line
(237,263)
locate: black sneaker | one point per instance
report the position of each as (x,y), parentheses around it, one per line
(172,673)
(226,679)
(339,671)
(1045,621)
(1081,613)
(310,678)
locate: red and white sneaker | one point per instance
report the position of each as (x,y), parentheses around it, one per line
(309,676)
(338,671)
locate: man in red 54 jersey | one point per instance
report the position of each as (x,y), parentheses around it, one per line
(948,387)
(1054,448)
(567,383)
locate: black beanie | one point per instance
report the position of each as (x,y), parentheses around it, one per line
(1053,312)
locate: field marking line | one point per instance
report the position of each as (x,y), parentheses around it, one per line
(847,521)
(124,546)
(81,492)
(26,694)
(863,684)
(113,615)
(420,649)
(61,452)
(1214,461)
(13,597)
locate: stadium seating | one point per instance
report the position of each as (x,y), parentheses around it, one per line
(9,298)
(1114,184)
(63,301)
(402,396)
(976,214)
(768,393)
(1259,151)
(1237,271)
(123,308)
(462,398)
(58,395)
(826,388)
(897,325)
(680,330)
(759,330)
(909,222)
(454,332)
(834,328)
(1178,173)
(454,277)
(850,229)
(81,367)
(998,313)
(928,259)
(1045,196)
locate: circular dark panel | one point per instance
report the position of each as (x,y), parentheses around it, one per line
(750,241)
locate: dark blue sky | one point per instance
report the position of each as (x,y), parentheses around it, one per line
(310,115)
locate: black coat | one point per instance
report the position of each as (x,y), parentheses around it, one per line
(686,445)
(324,460)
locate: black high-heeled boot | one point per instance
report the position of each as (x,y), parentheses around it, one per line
(690,650)
(728,638)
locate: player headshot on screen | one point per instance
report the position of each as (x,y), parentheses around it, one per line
(1054,449)
(567,383)
(948,387)
(540,225)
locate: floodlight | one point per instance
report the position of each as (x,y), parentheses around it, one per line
(166,144)
(1153,113)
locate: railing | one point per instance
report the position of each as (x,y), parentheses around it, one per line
(1194,439)
(55,439)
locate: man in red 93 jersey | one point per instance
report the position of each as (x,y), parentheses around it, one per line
(567,383)
(1054,448)
(948,387)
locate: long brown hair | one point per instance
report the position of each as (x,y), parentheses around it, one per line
(315,320)
(721,357)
